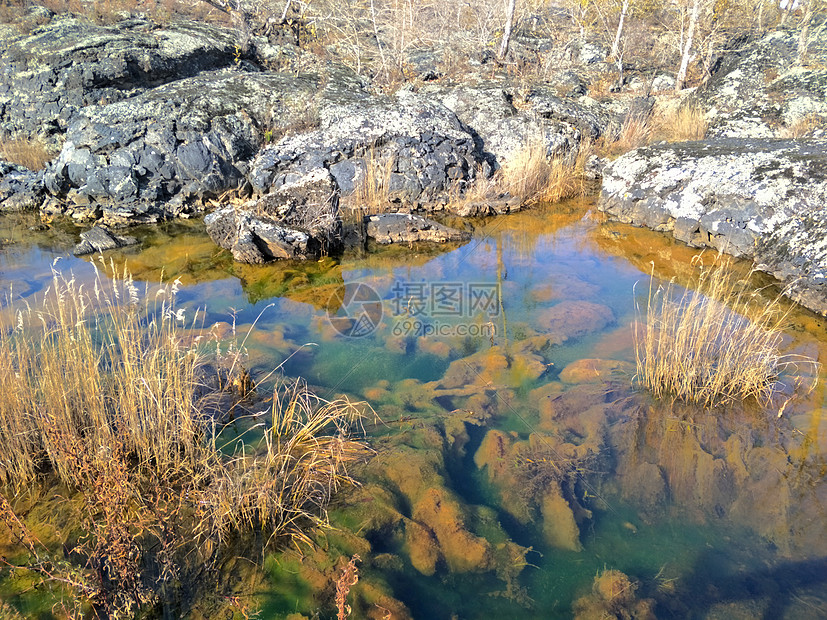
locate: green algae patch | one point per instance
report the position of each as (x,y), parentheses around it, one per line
(409,507)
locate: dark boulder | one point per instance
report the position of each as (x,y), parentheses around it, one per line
(49,76)
(163,153)
(21,189)
(100,239)
(298,221)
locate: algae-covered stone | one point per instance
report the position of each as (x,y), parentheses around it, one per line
(573,319)
(559,525)
(595,371)
(613,596)
(442,513)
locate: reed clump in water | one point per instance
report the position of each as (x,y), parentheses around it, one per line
(716,344)
(107,395)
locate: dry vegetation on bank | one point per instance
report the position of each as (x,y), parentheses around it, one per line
(380,38)
(717,344)
(108,396)
(31,154)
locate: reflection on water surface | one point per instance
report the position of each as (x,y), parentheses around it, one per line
(516,471)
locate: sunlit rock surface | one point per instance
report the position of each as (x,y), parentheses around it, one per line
(762,91)
(758,199)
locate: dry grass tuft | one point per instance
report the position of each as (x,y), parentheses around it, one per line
(535,177)
(717,344)
(803,127)
(676,124)
(686,122)
(373,194)
(31,154)
(105,395)
(635,132)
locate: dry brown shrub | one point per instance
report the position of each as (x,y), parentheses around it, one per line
(535,176)
(803,126)
(372,194)
(348,579)
(635,132)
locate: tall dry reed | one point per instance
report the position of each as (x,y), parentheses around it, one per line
(716,344)
(107,390)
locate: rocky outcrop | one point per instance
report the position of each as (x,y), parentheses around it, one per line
(505,121)
(49,76)
(160,154)
(300,220)
(758,199)
(388,228)
(20,188)
(760,91)
(413,147)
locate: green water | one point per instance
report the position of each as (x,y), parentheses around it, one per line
(710,515)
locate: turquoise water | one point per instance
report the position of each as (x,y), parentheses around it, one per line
(709,514)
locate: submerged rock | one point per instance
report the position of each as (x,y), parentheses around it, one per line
(596,371)
(559,525)
(408,505)
(100,239)
(573,319)
(613,596)
(757,199)
(407,228)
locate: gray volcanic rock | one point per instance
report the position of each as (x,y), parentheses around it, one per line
(100,239)
(759,91)
(416,146)
(47,77)
(502,129)
(160,154)
(759,199)
(388,228)
(253,239)
(21,189)
(298,221)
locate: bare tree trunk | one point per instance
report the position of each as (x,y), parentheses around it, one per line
(284,12)
(616,45)
(509,23)
(686,56)
(803,37)
(786,9)
(376,34)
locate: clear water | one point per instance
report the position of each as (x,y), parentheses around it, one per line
(712,515)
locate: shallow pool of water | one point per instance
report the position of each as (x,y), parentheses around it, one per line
(514,462)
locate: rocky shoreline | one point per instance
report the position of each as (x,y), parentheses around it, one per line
(155,121)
